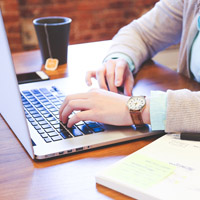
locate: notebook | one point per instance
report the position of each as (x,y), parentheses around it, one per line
(37,127)
(167,168)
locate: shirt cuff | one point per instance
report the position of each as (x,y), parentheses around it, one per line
(122,56)
(158,107)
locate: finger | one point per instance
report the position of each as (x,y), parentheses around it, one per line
(100,76)
(128,85)
(89,76)
(120,70)
(68,99)
(80,116)
(73,105)
(110,75)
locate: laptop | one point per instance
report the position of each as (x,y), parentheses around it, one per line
(31,111)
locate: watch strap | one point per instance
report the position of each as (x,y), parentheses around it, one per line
(137,118)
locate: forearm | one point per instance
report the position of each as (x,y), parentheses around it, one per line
(144,37)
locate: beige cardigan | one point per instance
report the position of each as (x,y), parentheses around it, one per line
(169,22)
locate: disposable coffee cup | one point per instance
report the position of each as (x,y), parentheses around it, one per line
(53,37)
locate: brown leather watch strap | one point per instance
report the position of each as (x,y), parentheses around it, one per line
(137,118)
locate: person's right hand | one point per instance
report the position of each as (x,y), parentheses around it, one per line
(113,74)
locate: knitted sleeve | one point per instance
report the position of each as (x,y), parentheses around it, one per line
(183,111)
(151,33)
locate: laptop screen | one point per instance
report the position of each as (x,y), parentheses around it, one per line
(10,104)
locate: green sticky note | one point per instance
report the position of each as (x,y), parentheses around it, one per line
(140,171)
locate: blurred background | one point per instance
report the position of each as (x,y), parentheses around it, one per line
(92,20)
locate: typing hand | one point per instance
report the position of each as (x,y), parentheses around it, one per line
(96,105)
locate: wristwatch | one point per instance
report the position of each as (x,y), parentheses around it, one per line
(136,105)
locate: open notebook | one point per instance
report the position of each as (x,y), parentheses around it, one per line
(168,168)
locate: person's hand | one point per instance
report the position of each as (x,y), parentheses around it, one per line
(96,105)
(113,74)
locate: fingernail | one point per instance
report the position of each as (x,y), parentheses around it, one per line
(117,83)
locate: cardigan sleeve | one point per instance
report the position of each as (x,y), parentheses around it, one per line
(183,111)
(151,33)
(158,105)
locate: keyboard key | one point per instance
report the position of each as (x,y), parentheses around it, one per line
(39,119)
(56,112)
(37,127)
(52,134)
(58,104)
(53,109)
(92,124)
(33,112)
(35,91)
(98,129)
(61,128)
(28,116)
(65,134)
(54,122)
(39,105)
(47,140)
(95,126)
(44,101)
(45,126)
(51,119)
(48,130)
(30,119)
(36,115)
(75,131)
(28,106)
(85,129)
(80,123)
(40,131)
(34,123)
(55,88)
(55,101)
(49,106)
(56,138)
(48,115)
(43,90)
(57,116)
(35,102)
(44,112)
(44,135)
(56,126)
(31,108)
(42,122)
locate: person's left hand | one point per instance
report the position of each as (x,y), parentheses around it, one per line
(96,105)
(112,75)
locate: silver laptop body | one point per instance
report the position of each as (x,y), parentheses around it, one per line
(12,110)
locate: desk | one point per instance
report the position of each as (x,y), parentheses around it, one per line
(73,177)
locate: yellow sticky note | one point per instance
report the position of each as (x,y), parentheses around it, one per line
(140,171)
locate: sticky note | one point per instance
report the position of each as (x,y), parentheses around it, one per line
(140,171)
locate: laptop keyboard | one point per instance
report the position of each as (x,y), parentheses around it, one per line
(42,111)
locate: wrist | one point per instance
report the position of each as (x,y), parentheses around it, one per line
(139,110)
(146,112)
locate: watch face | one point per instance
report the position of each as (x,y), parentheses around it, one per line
(136,103)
